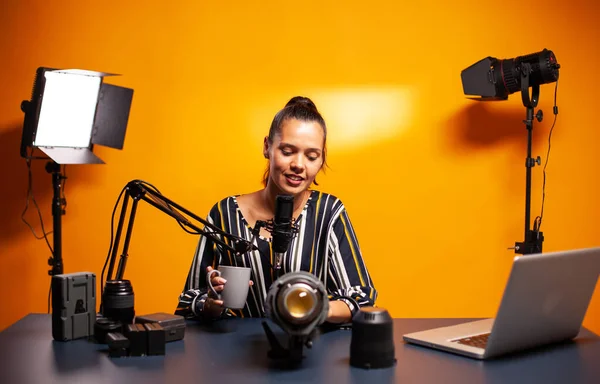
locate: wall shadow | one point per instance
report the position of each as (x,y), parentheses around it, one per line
(483,125)
(13,194)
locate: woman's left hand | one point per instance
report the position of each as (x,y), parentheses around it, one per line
(339,312)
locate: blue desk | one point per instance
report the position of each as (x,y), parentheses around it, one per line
(235,351)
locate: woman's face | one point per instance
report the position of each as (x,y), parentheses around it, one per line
(296,155)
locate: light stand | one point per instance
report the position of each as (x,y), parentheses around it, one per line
(58,209)
(494,79)
(533,238)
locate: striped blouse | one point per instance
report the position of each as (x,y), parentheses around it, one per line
(325,245)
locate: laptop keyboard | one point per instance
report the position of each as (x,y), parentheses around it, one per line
(478,341)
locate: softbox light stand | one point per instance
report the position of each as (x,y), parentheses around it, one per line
(51,125)
(58,209)
(532,242)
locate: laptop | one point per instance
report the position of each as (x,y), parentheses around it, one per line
(544,302)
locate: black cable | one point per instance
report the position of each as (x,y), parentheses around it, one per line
(64,183)
(32,197)
(168,206)
(538,220)
(182,224)
(45,234)
(112,225)
(49,294)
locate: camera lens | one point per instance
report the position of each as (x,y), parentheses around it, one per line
(117,301)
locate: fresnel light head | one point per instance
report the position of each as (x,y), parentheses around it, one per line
(495,79)
(298,303)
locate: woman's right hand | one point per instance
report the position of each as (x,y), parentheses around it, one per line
(213,307)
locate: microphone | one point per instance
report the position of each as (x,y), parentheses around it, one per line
(282,227)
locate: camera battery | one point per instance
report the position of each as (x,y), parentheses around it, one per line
(156,339)
(73,305)
(138,339)
(174,325)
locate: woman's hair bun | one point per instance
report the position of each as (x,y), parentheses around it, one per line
(301,100)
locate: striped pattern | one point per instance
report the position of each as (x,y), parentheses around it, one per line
(325,246)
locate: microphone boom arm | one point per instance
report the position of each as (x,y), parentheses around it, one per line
(137,190)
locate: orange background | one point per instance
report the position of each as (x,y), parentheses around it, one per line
(208,79)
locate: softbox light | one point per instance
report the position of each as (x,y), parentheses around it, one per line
(70,111)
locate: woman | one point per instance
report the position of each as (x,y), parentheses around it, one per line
(325,244)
